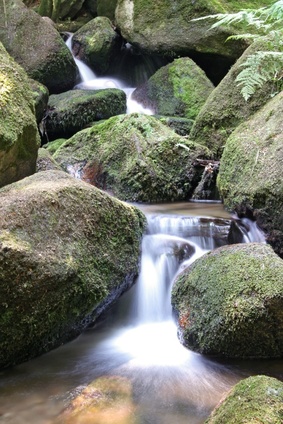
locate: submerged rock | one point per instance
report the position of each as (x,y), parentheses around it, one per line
(67,251)
(37,46)
(106,400)
(19,139)
(74,110)
(177,89)
(230,302)
(250,175)
(135,157)
(256,399)
(96,43)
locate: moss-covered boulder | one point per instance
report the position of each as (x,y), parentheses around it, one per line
(96,43)
(40,96)
(45,161)
(107,8)
(105,400)
(135,157)
(166,27)
(180,125)
(178,89)
(226,107)
(37,46)
(59,9)
(74,110)
(256,399)
(19,139)
(67,250)
(250,175)
(230,302)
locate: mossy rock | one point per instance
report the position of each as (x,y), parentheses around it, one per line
(181,126)
(166,27)
(105,400)
(178,89)
(107,8)
(97,43)
(60,9)
(254,400)
(19,139)
(37,46)
(67,250)
(41,96)
(226,107)
(74,110)
(135,157)
(230,302)
(45,161)
(250,175)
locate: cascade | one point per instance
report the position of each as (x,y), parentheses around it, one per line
(90,81)
(137,340)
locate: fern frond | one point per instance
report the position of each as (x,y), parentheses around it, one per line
(259,68)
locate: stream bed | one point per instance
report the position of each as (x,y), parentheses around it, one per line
(137,339)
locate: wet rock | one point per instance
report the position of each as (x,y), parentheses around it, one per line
(96,44)
(250,174)
(19,139)
(41,96)
(256,399)
(229,302)
(133,156)
(67,251)
(74,110)
(45,162)
(106,400)
(177,89)
(37,46)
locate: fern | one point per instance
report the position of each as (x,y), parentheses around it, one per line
(262,66)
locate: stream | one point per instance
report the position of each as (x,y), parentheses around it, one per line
(137,339)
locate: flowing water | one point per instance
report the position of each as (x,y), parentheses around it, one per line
(90,81)
(138,338)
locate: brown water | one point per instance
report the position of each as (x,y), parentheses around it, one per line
(171,384)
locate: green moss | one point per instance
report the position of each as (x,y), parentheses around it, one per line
(230,302)
(68,248)
(256,399)
(134,156)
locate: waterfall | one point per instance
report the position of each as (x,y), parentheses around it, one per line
(90,81)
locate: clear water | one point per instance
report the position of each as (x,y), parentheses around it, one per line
(138,339)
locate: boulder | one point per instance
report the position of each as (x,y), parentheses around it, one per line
(60,9)
(166,27)
(105,400)
(177,89)
(45,162)
(181,126)
(96,43)
(74,110)
(67,251)
(226,108)
(107,8)
(19,139)
(250,174)
(230,302)
(256,399)
(135,157)
(41,96)
(37,46)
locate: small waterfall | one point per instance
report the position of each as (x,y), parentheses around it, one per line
(90,81)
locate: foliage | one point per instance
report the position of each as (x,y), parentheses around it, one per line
(254,24)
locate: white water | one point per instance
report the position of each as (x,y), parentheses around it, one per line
(138,341)
(90,81)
